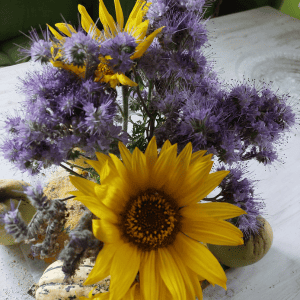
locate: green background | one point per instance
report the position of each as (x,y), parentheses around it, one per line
(21,15)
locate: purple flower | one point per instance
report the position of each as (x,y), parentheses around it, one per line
(61,112)
(119,48)
(36,195)
(80,47)
(14,224)
(238,189)
(40,49)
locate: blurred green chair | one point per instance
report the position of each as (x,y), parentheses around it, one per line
(291,8)
(21,15)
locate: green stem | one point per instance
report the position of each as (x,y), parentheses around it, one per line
(125,107)
(140,96)
(70,171)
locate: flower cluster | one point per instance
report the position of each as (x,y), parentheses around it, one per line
(62,113)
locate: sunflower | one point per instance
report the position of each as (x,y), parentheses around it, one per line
(135,26)
(153,224)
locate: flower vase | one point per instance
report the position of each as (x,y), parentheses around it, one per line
(254,249)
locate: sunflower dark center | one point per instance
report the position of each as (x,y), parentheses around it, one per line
(151,220)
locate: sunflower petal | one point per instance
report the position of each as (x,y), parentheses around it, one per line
(83,185)
(87,23)
(112,195)
(65,28)
(163,167)
(151,153)
(149,275)
(98,208)
(144,45)
(192,186)
(195,281)
(219,211)
(165,146)
(127,258)
(140,31)
(132,16)
(196,155)
(106,19)
(213,232)
(119,14)
(55,33)
(198,258)
(125,80)
(170,274)
(80,71)
(126,156)
(102,265)
(105,231)
(139,169)
(181,166)
(190,291)
(211,182)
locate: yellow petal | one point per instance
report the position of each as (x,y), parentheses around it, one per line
(144,45)
(98,208)
(213,232)
(198,258)
(112,79)
(190,291)
(195,281)
(79,71)
(211,182)
(133,14)
(219,211)
(196,155)
(55,33)
(140,31)
(106,19)
(96,165)
(193,185)
(83,185)
(113,196)
(126,156)
(151,153)
(65,28)
(125,80)
(87,22)
(102,265)
(127,258)
(102,158)
(122,172)
(163,167)
(119,14)
(181,166)
(149,275)
(139,170)
(165,146)
(170,274)
(105,231)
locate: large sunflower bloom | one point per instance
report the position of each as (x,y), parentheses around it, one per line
(135,26)
(153,224)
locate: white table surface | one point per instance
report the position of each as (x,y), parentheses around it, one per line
(260,44)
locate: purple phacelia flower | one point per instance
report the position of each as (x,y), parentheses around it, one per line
(80,47)
(120,49)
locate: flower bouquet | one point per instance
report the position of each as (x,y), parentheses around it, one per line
(149,211)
